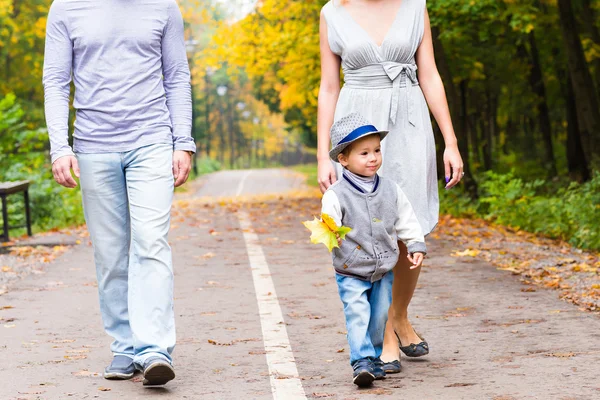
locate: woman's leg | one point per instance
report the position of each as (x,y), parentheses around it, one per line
(405,282)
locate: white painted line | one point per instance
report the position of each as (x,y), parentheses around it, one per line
(241,184)
(285,383)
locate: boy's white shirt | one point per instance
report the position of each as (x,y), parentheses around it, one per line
(407,227)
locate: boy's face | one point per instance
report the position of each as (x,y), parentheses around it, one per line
(364,157)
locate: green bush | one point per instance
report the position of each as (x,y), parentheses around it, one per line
(24,156)
(571,213)
(207,165)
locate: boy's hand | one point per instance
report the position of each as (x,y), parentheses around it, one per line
(416,259)
(337,235)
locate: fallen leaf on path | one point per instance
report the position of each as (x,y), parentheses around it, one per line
(79,357)
(104,389)
(460,384)
(214,342)
(465,253)
(78,351)
(561,355)
(341,350)
(322,395)
(6,307)
(85,373)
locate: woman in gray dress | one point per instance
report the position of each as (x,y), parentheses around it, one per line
(379,44)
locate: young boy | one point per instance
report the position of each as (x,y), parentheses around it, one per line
(379,214)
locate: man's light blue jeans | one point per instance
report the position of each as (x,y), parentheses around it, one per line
(127,204)
(366,306)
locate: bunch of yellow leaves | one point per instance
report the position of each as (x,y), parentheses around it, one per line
(326,231)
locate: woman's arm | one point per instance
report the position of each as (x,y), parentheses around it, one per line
(433,89)
(328,96)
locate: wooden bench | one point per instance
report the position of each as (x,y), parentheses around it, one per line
(8,188)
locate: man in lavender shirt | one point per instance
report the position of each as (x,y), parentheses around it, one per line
(132,145)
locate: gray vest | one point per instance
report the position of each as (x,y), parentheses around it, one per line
(370,250)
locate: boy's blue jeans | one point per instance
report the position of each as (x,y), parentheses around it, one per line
(127,204)
(366,307)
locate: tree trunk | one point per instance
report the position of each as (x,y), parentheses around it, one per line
(207,111)
(488,125)
(589,19)
(455,105)
(576,161)
(536,80)
(473,130)
(583,89)
(231,133)
(222,132)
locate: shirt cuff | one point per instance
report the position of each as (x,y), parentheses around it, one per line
(417,247)
(184,143)
(62,153)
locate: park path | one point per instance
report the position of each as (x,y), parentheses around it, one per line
(490,337)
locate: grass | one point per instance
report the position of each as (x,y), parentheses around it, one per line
(310,171)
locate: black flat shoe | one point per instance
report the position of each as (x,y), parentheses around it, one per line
(392,367)
(414,350)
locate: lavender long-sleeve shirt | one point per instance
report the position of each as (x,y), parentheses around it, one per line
(118,52)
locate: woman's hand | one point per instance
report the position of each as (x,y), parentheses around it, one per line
(453,166)
(325,175)
(416,259)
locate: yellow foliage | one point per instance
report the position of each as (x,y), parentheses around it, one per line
(278,45)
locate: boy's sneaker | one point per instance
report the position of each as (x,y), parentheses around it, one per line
(378,370)
(363,372)
(120,368)
(157,371)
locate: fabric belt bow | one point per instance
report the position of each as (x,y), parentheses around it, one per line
(394,72)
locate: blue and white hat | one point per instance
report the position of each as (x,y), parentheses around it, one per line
(349,129)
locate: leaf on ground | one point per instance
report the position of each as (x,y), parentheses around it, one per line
(78,357)
(466,253)
(214,342)
(85,373)
(104,389)
(561,355)
(460,384)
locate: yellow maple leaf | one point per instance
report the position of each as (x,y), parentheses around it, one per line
(324,231)
(465,253)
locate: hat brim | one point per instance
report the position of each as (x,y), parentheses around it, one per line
(333,153)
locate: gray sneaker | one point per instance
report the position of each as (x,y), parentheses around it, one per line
(120,368)
(157,371)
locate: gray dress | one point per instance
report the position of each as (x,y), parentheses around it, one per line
(380,82)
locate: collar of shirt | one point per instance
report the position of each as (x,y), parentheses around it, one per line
(365,184)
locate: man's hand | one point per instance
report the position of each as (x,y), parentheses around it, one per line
(182,164)
(416,259)
(61,169)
